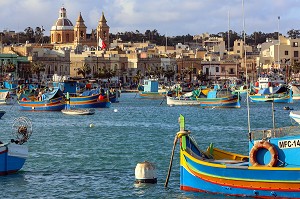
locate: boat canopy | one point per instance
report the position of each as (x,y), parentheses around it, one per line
(279,89)
(56,92)
(90,92)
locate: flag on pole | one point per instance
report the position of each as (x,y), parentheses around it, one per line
(101,43)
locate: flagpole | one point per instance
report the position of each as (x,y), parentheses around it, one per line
(278,59)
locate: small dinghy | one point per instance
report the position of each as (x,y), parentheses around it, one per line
(90,111)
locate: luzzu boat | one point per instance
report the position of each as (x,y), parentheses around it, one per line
(271,169)
(207,98)
(278,95)
(93,98)
(89,100)
(151,90)
(53,100)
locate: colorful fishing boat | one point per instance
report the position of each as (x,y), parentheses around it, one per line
(279,94)
(13,154)
(52,100)
(8,92)
(89,100)
(94,98)
(271,169)
(217,98)
(151,90)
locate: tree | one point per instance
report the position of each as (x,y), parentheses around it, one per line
(9,67)
(293,34)
(202,77)
(38,34)
(149,72)
(29,34)
(158,72)
(37,68)
(169,74)
(84,70)
(138,76)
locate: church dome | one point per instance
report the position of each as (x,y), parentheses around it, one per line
(62,23)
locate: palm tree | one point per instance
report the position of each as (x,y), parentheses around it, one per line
(109,73)
(138,76)
(169,74)
(85,70)
(37,68)
(10,67)
(149,71)
(159,71)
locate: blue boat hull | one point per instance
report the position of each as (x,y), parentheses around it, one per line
(12,158)
(199,173)
(92,101)
(47,105)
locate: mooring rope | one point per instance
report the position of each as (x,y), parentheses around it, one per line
(171,161)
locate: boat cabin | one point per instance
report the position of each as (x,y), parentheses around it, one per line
(150,85)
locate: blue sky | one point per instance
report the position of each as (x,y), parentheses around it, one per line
(170,17)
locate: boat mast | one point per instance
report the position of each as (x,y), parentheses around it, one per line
(228,43)
(245,64)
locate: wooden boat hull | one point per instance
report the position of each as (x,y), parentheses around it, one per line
(12,158)
(182,101)
(286,97)
(153,95)
(263,98)
(92,101)
(226,102)
(78,111)
(236,176)
(56,104)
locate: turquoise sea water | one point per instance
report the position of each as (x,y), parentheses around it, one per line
(70,159)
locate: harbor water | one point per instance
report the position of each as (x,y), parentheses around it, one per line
(94,156)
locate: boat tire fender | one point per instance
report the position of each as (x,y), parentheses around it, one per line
(263,145)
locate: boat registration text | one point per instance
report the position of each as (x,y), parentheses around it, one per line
(289,144)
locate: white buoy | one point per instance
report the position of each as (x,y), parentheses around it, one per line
(92,125)
(145,172)
(115,110)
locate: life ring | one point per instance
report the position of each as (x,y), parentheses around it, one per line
(263,145)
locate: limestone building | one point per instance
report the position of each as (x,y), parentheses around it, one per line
(64,32)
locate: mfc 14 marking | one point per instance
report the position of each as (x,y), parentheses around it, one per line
(289,144)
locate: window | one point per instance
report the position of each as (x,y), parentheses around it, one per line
(238,51)
(206,70)
(217,69)
(286,52)
(239,44)
(295,44)
(223,69)
(296,54)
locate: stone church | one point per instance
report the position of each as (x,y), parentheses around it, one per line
(64,32)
